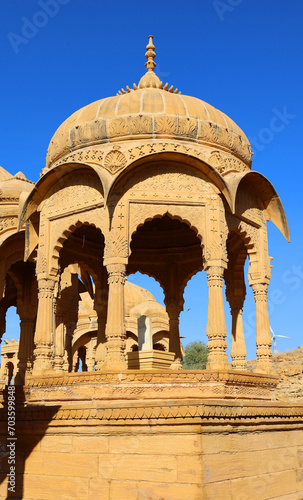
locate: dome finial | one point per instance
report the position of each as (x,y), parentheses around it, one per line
(150,80)
(150,55)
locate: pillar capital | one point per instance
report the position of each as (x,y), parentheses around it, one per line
(260,291)
(115,260)
(46,287)
(116,273)
(215,275)
(235,303)
(26,313)
(173,308)
(215,264)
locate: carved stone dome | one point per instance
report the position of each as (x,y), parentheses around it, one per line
(135,294)
(12,189)
(12,186)
(149,110)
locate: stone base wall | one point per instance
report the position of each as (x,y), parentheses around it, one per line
(151,449)
(158,463)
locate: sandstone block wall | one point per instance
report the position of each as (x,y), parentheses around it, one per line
(157,462)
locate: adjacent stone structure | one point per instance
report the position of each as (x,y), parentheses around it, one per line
(138,302)
(152,181)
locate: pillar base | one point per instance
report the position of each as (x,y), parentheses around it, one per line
(149,360)
(238,364)
(265,367)
(176,365)
(218,362)
(42,365)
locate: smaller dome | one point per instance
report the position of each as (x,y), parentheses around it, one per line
(12,190)
(4,174)
(12,186)
(150,308)
(134,295)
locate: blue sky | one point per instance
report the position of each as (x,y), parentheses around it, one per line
(243,57)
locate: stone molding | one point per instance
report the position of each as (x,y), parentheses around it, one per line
(114,160)
(187,411)
(184,376)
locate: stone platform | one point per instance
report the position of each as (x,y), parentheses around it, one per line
(150,384)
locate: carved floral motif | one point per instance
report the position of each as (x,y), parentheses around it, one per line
(115,246)
(114,161)
(7,223)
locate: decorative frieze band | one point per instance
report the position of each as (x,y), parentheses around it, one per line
(192,411)
(116,158)
(226,377)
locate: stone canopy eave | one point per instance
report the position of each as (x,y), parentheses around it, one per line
(265,191)
(210,172)
(30,203)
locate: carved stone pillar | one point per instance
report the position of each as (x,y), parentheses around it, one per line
(66,319)
(216,327)
(263,337)
(173,311)
(101,348)
(44,325)
(68,362)
(59,342)
(26,346)
(115,326)
(75,364)
(238,348)
(90,355)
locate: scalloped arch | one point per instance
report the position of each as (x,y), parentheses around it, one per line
(59,245)
(172,216)
(151,275)
(174,157)
(190,226)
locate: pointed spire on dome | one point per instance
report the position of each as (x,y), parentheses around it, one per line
(150,79)
(150,55)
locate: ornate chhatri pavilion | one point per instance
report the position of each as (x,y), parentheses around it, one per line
(152,181)
(156,182)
